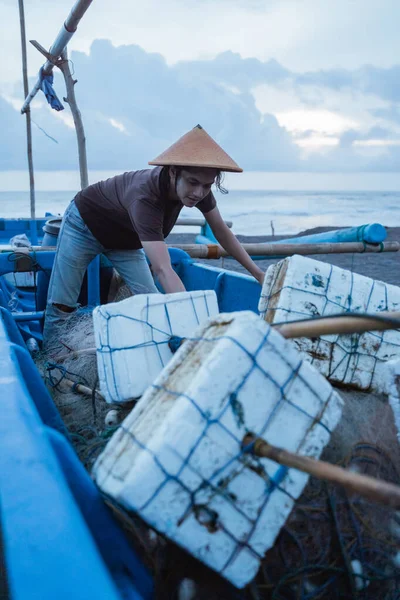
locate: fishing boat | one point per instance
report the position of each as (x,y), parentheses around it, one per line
(59,539)
(61,536)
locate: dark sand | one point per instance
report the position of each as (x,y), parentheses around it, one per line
(384,266)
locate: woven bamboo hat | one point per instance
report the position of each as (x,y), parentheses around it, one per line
(196,149)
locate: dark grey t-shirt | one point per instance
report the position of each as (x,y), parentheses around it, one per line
(123,211)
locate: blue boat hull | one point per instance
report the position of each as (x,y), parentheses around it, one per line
(60,539)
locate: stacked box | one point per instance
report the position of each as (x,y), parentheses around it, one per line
(132,337)
(178,459)
(299,287)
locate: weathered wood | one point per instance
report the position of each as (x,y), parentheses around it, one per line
(273,250)
(80,132)
(27,112)
(374,489)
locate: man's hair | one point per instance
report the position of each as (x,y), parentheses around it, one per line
(164,179)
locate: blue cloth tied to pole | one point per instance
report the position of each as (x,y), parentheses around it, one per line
(47,88)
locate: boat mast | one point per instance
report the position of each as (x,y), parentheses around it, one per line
(27,112)
(57,56)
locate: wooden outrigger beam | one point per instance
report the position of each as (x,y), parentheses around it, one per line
(282,250)
(274,250)
(377,490)
(65,34)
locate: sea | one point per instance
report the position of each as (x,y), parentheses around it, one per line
(257,203)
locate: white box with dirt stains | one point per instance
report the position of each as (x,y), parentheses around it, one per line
(178,461)
(132,337)
(299,287)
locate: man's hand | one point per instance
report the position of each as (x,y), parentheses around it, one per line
(158,255)
(259,275)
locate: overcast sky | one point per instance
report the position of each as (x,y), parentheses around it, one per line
(283,85)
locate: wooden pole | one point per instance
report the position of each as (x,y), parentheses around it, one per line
(213,251)
(281,250)
(70,99)
(80,388)
(28,112)
(374,489)
(63,64)
(338,325)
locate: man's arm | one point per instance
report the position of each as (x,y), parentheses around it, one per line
(158,255)
(231,244)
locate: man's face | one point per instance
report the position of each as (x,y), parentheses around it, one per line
(192,185)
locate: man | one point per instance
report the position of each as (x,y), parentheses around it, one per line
(128,217)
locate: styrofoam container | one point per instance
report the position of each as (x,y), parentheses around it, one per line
(177,459)
(132,337)
(299,287)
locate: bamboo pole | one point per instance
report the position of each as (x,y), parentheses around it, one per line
(28,111)
(214,251)
(65,34)
(280,250)
(197,222)
(338,325)
(374,489)
(80,388)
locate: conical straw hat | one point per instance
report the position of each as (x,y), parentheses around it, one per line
(196,149)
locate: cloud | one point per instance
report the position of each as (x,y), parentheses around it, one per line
(390,114)
(13,136)
(134,104)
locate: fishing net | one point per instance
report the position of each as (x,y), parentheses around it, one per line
(336,546)
(83,414)
(63,363)
(332,546)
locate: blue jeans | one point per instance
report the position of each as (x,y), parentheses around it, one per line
(76,248)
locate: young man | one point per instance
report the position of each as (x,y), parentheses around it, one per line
(128,217)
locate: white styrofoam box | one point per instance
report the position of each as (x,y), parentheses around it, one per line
(299,287)
(132,337)
(177,459)
(393,390)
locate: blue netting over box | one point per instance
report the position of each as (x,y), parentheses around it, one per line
(300,288)
(133,337)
